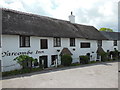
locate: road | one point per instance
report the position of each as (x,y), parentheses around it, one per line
(103,75)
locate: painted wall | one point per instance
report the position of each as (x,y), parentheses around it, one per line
(10,43)
(109,45)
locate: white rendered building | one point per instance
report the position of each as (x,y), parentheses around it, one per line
(45,39)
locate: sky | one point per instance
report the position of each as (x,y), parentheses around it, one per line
(98,13)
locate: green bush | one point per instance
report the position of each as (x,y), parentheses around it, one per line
(104,56)
(66,60)
(92,62)
(21,71)
(23,60)
(84,59)
(75,64)
(115,54)
(36,62)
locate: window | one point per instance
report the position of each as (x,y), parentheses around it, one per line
(24,41)
(99,42)
(85,45)
(53,59)
(44,44)
(115,42)
(72,41)
(57,42)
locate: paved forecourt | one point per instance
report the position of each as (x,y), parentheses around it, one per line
(103,75)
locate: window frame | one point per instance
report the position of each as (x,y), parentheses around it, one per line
(99,43)
(57,42)
(22,39)
(55,56)
(81,46)
(72,42)
(46,46)
(115,43)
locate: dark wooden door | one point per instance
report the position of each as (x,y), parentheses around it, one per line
(44,58)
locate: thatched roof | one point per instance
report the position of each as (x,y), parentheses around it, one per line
(19,23)
(111,35)
(65,51)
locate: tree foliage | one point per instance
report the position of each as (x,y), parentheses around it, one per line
(106,29)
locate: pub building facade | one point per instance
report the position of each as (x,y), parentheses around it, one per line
(46,39)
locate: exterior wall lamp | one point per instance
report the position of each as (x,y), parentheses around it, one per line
(58,50)
(73,49)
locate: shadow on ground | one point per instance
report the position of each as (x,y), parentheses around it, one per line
(57,69)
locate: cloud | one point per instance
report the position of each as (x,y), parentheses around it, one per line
(99,13)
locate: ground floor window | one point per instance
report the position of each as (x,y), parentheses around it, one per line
(53,59)
(85,45)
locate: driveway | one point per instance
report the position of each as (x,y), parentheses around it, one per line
(103,75)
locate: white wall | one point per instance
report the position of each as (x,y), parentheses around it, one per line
(108,45)
(11,43)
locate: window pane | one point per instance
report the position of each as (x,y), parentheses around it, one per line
(85,45)
(72,41)
(44,44)
(115,42)
(99,42)
(57,42)
(24,41)
(21,43)
(27,41)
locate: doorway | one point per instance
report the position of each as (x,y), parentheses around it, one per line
(53,59)
(45,59)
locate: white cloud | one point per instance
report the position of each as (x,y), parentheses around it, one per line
(99,13)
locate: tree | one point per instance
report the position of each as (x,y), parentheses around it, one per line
(106,29)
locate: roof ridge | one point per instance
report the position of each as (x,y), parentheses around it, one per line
(31,14)
(37,15)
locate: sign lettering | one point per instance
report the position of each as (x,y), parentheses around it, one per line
(8,53)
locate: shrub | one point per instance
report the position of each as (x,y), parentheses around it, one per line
(36,62)
(23,60)
(84,59)
(75,64)
(115,54)
(20,71)
(66,60)
(92,61)
(104,56)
